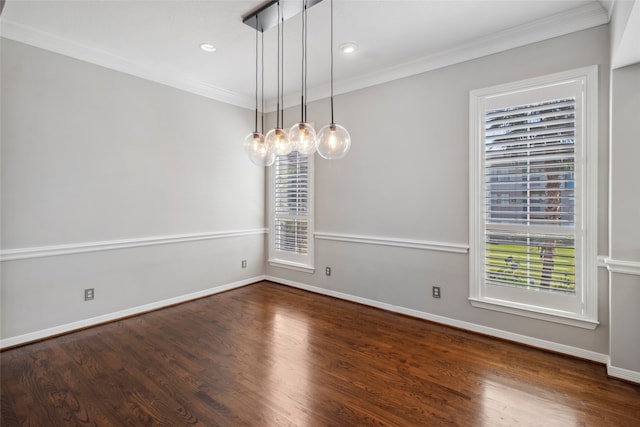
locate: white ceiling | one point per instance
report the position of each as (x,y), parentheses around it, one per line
(159,39)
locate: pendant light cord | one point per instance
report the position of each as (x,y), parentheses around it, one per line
(302,68)
(278,75)
(305,68)
(256,118)
(306,50)
(332,122)
(282,76)
(262,83)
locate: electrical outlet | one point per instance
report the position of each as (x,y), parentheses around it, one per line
(327,271)
(89,294)
(435,291)
(244,263)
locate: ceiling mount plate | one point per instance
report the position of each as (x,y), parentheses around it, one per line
(268,13)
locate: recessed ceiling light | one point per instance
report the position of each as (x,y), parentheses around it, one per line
(348,48)
(208,47)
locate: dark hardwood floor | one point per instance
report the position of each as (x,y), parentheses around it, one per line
(270,355)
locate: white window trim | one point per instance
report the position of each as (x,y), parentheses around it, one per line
(588,317)
(292,266)
(296,262)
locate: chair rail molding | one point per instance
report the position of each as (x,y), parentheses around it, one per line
(622,267)
(78,248)
(459,248)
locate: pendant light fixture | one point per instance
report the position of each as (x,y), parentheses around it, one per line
(278,137)
(333,141)
(302,135)
(255,144)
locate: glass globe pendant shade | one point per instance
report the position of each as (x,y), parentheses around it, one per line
(252,142)
(333,142)
(279,140)
(303,138)
(258,150)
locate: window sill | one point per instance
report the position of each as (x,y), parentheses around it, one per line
(534,312)
(292,266)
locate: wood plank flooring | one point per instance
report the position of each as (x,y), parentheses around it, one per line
(270,355)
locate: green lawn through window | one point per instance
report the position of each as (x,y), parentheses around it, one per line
(521,265)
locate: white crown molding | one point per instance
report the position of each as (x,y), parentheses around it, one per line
(622,267)
(608,6)
(79,248)
(110,317)
(590,15)
(627,51)
(34,37)
(457,248)
(582,18)
(473,327)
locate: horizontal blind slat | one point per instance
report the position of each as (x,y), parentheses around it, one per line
(540,159)
(540,115)
(517,111)
(518,130)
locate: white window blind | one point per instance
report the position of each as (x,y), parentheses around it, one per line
(529,195)
(533,224)
(292,210)
(291,203)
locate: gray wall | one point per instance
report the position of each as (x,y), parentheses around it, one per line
(625,213)
(92,157)
(406,178)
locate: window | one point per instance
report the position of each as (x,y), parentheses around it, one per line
(533,198)
(291,212)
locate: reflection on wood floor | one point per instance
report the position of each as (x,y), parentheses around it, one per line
(270,355)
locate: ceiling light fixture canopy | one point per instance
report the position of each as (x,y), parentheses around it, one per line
(267,13)
(333,141)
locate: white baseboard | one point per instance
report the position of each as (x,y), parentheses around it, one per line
(498,333)
(94,321)
(623,374)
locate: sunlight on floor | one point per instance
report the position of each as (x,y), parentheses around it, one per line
(503,405)
(290,371)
